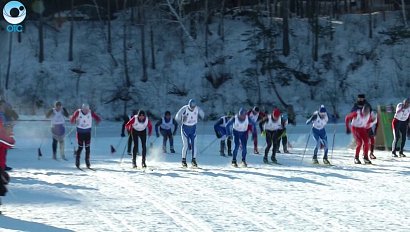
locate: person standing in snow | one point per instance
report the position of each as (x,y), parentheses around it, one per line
(57,115)
(400,126)
(240,124)
(126,118)
(138,125)
(6,142)
(165,124)
(319,120)
(272,127)
(360,102)
(83,118)
(8,116)
(283,137)
(358,123)
(188,116)
(255,116)
(221,133)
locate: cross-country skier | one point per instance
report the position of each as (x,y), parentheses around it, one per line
(358,123)
(83,118)
(319,120)
(360,102)
(399,124)
(165,125)
(8,117)
(58,114)
(272,127)
(240,124)
(284,136)
(126,118)
(221,133)
(138,125)
(6,142)
(255,116)
(188,116)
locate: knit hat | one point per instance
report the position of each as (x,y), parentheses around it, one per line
(85,106)
(191,103)
(141,112)
(361,96)
(256,109)
(322,109)
(276,113)
(242,112)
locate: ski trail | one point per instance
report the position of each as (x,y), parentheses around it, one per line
(234,207)
(169,209)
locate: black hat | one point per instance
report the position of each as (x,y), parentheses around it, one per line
(361,96)
(167,113)
(256,109)
(141,112)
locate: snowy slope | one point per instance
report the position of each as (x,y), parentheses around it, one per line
(47,195)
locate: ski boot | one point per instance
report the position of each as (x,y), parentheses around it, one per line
(77,161)
(265,159)
(274,160)
(278,151)
(286,151)
(193,162)
(314,160)
(255,151)
(134,163)
(172,150)
(221,153)
(393,154)
(244,164)
(229,153)
(401,154)
(357,161)
(8,168)
(54,156)
(164,149)
(366,160)
(326,161)
(143,165)
(184,164)
(372,156)
(129,153)
(234,164)
(87,163)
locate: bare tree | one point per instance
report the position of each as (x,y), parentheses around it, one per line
(152,48)
(221,26)
(109,46)
(403,8)
(124,46)
(285,15)
(206,14)
(141,22)
(70,46)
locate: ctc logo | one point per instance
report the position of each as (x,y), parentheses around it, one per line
(14,13)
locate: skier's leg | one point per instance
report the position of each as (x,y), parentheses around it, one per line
(237,144)
(135,149)
(396,135)
(229,145)
(143,136)
(80,140)
(185,142)
(193,144)
(87,149)
(54,148)
(403,135)
(244,141)
(129,144)
(269,137)
(316,137)
(164,140)
(222,147)
(61,143)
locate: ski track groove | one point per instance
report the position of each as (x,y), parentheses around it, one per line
(164,206)
(234,207)
(243,211)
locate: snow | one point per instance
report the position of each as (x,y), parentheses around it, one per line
(47,195)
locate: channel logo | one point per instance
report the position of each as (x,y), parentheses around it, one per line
(14,13)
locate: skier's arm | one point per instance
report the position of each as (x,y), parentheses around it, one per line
(229,126)
(265,119)
(49,113)
(348,119)
(312,118)
(159,122)
(96,117)
(74,116)
(175,126)
(128,125)
(201,113)
(217,126)
(65,113)
(178,116)
(149,128)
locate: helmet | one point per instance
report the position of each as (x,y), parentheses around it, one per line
(167,113)
(85,106)
(276,113)
(406,101)
(191,103)
(256,109)
(322,109)
(141,112)
(242,112)
(57,103)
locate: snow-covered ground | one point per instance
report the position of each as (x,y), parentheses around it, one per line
(47,195)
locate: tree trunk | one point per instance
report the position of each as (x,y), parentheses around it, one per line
(285,13)
(403,9)
(70,46)
(370,21)
(142,31)
(41,40)
(221,26)
(109,46)
(206,27)
(9,61)
(316,30)
(124,47)
(152,48)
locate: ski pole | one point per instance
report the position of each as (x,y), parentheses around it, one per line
(210,144)
(123,152)
(333,141)
(307,142)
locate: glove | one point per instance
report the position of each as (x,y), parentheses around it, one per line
(157,135)
(348,131)
(263,134)
(218,134)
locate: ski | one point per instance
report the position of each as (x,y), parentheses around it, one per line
(80,169)
(92,169)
